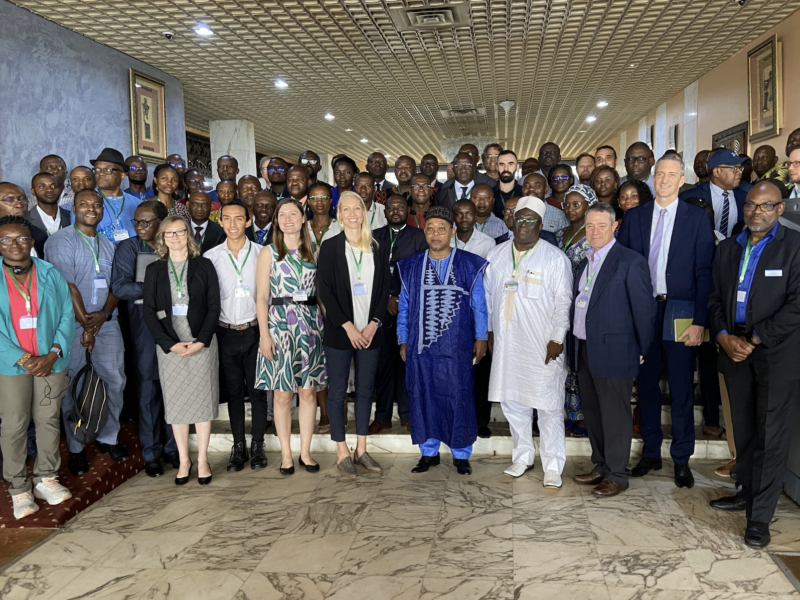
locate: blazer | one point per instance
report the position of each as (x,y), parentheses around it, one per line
(36,219)
(252,236)
(336,294)
(214,236)
(703,191)
(547,236)
(620,318)
(446,196)
(691,252)
(204,302)
(773,304)
(40,238)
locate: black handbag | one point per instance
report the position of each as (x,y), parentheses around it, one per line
(90,404)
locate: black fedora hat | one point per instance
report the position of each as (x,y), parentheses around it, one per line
(112,156)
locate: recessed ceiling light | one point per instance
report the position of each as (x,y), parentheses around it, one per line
(364,140)
(602,104)
(632,65)
(591,118)
(387,156)
(329,117)
(281,84)
(582,131)
(203,30)
(348,129)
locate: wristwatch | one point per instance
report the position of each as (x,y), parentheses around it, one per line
(749,339)
(107,314)
(377,322)
(57,351)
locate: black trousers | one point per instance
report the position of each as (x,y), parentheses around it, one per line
(238,353)
(707,356)
(483,408)
(390,380)
(761,412)
(609,422)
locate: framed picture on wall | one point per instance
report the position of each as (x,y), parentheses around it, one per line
(734,138)
(765,89)
(148,117)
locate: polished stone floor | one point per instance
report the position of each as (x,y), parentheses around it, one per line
(258,535)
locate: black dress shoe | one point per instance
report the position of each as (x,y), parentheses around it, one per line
(204,480)
(425,463)
(78,465)
(154,469)
(288,471)
(238,457)
(462,466)
(184,480)
(258,459)
(730,503)
(645,465)
(309,468)
(119,453)
(484,432)
(173,458)
(683,476)
(757,534)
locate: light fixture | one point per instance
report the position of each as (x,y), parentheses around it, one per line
(387,156)
(602,104)
(348,129)
(281,84)
(329,117)
(203,29)
(582,131)
(591,119)
(632,65)
(364,140)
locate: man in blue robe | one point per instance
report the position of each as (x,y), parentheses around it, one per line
(442,329)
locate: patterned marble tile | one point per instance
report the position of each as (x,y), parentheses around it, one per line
(458,558)
(353,587)
(646,568)
(121,519)
(110,584)
(620,593)
(556,591)
(149,550)
(559,527)
(396,555)
(556,563)
(474,523)
(416,493)
(296,492)
(307,554)
(79,548)
(326,519)
(198,514)
(285,586)
(531,496)
(401,470)
(336,489)
(25,582)
(434,588)
(197,585)
(622,527)
(723,573)
(478,494)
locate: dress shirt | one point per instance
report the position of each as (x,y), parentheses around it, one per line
(458,187)
(236,311)
(256,230)
(118,212)
(50,224)
(663,255)
(795,193)
(478,243)
(493,227)
(554,218)
(376,214)
(202,231)
(718,203)
(142,196)
(755,254)
(594,264)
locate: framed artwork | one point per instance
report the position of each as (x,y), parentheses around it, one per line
(764,89)
(148,117)
(733,138)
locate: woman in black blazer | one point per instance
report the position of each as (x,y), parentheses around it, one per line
(353,286)
(181,310)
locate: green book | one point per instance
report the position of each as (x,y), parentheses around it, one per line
(682,324)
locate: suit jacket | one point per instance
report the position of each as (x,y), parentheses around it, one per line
(39,239)
(620,318)
(446,196)
(204,302)
(773,304)
(336,294)
(214,236)
(703,191)
(547,236)
(36,219)
(691,252)
(252,236)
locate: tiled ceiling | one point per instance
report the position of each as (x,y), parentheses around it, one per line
(554,58)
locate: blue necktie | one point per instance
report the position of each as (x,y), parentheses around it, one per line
(261,235)
(726,211)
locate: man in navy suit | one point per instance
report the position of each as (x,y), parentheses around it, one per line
(612,316)
(722,190)
(678,244)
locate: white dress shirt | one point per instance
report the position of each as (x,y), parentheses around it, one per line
(376,215)
(795,193)
(663,256)
(241,310)
(50,224)
(478,243)
(458,187)
(718,202)
(202,227)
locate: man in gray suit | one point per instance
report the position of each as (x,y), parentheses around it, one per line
(47,215)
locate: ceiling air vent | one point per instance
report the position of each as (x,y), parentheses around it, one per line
(439,16)
(463,113)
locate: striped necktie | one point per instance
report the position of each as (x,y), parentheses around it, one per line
(463,192)
(261,234)
(726,211)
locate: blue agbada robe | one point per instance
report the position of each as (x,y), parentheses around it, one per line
(440,376)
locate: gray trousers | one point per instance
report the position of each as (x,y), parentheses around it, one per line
(26,397)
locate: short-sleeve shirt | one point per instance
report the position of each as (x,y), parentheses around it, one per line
(117,214)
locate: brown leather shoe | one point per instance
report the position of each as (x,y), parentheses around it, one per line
(592,478)
(407,425)
(608,488)
(378,426)
(725,470)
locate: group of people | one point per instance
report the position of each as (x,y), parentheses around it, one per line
(556,298)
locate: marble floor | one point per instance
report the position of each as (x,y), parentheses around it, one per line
(258,535)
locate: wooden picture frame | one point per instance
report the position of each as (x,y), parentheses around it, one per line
(733,138)
(148,117)
(764,89)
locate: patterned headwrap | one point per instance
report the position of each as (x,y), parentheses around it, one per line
(585,191)
(439,212)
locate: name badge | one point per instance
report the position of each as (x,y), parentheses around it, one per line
(510,287)
(360,289)
(741,295)
(773,273)
(27,322)
(300,296)
(241,291)
(99,283)
(121,234)
(582,302)
(180,310)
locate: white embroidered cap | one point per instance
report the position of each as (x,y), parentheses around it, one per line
(532,202)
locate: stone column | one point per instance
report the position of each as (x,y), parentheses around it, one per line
(234,138)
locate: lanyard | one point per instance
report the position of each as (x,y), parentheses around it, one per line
(26,297)
(590,275)
(371,220)
(572,237)
(482,227)
(516,265)
(393,235)
(116,214)
(296,265)
(95,253)
(416,220)
(503,199)
(178,280)
(324,231)
(746,260)
(357,260)
(233,262)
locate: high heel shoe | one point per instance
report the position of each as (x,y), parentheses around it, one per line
(289,471)
(309,468)
(204,480)
(184,480)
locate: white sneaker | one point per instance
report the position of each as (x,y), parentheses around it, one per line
(24,505)
(51,491)
(517,470)
(552,480)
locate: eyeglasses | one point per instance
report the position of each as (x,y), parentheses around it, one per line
(795,164)
(275,170)
(509,211)
(492,156)
(439,230)
(7,241)
(319,198)
(526,221)
(575,204)
(57,169)
(561,178)
(766,207)
(179,233)
(637,159)
(463,166)
(735,169)
(420,187)
(308,161)
(105,170)
(21,200)
(176,165)
(143,222)
(134,169)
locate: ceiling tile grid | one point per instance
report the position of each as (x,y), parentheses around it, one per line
(554,58)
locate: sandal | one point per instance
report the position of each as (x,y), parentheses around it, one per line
(576,431)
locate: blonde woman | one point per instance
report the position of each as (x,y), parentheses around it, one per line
(181,310)
(353,285)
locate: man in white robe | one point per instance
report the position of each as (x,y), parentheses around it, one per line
(528,294)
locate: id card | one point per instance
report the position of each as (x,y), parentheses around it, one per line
(511,287)
(241,291)
(741,295)
(360,289)
(27,322)
(121,234)
(99,283)
(582,302)
(300,296)
(180,310)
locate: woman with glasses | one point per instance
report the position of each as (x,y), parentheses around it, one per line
(181,310)
(605,183)
(37,324)
(572,240)
(165,182)
(353,286)
(560,180)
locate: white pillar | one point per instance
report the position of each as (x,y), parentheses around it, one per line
(690,130)
(623,147)
(326,174)
(660,143)
(233,138)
